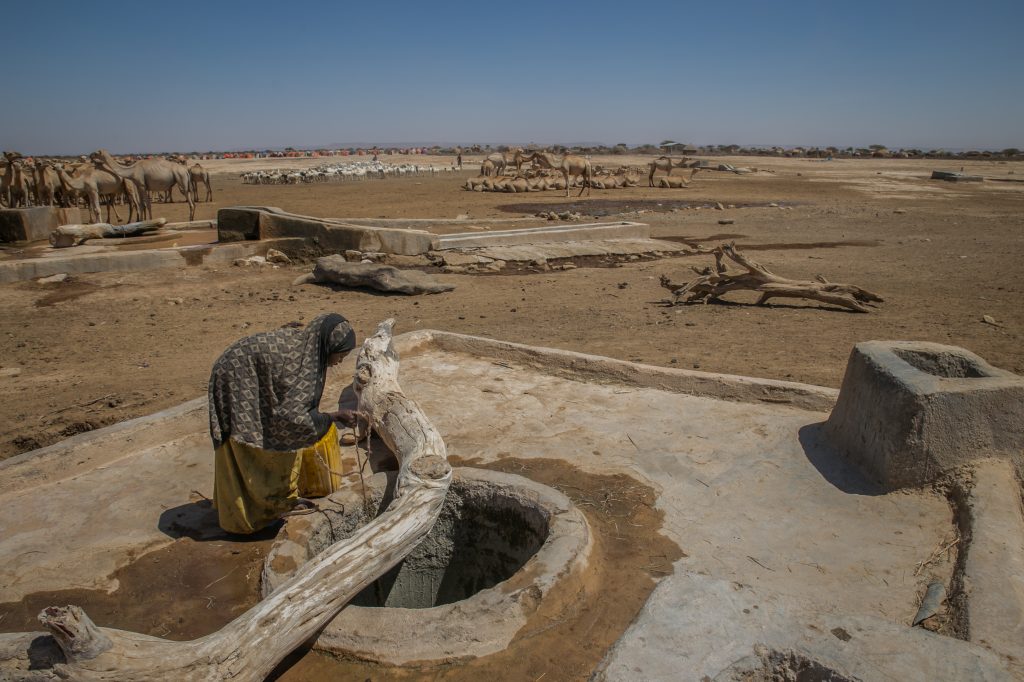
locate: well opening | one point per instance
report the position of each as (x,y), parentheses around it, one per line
(941,364)
(483,537)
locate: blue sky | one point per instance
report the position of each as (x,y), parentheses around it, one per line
(140,76)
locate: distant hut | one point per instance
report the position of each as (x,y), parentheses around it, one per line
(668,148)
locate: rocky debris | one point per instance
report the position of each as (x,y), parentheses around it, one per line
(459,258)
(175,301)
(250,262)
(988,319)
(337,270)
(563,215)
(275,256)
(353,256)
(726,221)
(400,261)
(718,206)
(54,279)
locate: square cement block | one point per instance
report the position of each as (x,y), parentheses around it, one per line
(34,224)
(908,412)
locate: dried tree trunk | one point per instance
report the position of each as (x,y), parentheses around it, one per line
(74,235)
(713,284)
(250,647)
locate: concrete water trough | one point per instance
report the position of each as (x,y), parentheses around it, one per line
(245,231)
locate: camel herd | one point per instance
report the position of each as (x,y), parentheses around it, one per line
(359,170)
(549,172)
(100,179)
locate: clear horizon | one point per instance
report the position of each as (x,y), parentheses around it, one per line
(133,79)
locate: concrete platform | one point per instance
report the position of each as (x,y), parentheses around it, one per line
(107,256)
(786,546)
(574,249)
(546,235)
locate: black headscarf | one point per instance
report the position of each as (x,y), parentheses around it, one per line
(265,389)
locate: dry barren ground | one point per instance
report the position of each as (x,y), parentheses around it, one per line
(108,347)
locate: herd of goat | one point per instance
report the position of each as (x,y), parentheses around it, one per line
(97,180)
(358,170)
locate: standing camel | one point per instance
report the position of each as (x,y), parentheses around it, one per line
(665,163)
(16,186)
(570,165)
(47,184)
(199,174)
(94,183)
(149,175)
(498,161)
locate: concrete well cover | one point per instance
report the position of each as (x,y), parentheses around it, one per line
(785,545)
(557,545)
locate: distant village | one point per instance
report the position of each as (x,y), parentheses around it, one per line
(665,148)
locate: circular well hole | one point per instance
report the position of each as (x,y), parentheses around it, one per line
(484,535)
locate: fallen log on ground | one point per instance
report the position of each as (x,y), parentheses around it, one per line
(74,235)
(249,647)
(712,284)
(336,270)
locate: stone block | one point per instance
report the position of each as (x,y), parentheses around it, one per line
(238,223)
(327,235)
(34,224)
(909,411)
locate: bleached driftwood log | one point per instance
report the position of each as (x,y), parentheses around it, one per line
(250,646)
(74,235)
(712,284)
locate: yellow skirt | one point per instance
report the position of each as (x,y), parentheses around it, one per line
(252,487)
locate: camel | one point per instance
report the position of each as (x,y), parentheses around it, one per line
(519,157)
(677,182)
(497,159)
(665,163)
(16,186)
(156,175)
(92,183)
(570,165)
(47,184)
(488,168)
(199,174)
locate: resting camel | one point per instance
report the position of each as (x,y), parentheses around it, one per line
(149,175)
(677,182)
(665,163)
(620,178)
(570,165)
(93,183)
(199,174)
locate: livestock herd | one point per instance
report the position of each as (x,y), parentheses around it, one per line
(548,172)
(359,170)
(100,179)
